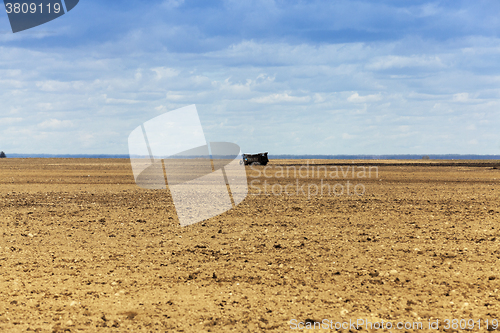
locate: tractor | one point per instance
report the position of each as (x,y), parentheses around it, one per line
(256,159)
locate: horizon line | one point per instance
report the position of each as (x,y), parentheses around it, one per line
(287,156)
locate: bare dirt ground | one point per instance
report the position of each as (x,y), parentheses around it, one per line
(84,249)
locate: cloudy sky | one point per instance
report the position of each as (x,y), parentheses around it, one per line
(288,77)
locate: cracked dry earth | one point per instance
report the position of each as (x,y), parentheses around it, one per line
(83,249)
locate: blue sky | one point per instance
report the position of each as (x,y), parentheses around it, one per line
(288,77)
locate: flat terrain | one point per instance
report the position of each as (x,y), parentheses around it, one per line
(84,249)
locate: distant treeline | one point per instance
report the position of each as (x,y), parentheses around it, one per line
(387,157)
(66,156)
(291,157)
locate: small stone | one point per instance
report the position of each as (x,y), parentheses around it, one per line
(393,272)
(73,303)
(69,323)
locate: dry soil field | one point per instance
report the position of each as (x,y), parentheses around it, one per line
(84,249)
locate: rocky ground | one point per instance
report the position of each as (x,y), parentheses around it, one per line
(84,249)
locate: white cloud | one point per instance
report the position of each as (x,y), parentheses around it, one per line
(355,98)
(279,98)
(461,97)
(393,61)
(56,124)
(172,3)
(161,108)
(8,121)
(109,100)
(165,72)
(52,85)
(318,98)
(347,136)
(45,106)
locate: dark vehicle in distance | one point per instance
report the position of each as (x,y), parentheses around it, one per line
(258,159)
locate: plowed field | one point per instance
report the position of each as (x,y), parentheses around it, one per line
(82,248)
